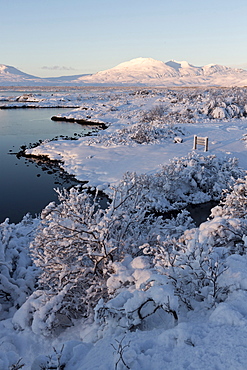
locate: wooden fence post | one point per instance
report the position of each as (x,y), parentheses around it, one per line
(200,141)
(195,142)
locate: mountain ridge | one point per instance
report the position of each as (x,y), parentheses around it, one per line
(138,71)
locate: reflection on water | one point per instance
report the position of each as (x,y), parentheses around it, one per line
(25,186)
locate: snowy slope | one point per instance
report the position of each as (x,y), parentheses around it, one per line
(12,76)
(138,71)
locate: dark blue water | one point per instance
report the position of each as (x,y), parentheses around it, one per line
(25,186)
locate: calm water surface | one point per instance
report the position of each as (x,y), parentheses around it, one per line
(26,187)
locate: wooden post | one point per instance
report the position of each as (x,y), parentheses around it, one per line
(195,142)
(206,144)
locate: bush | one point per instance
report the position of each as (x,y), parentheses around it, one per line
(17,274)
(75,246)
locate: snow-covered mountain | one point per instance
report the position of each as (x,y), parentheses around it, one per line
(138,71)
(151,72)
(13,76)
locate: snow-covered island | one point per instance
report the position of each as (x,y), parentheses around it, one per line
(135,285)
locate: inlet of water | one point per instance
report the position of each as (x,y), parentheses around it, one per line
(26,186)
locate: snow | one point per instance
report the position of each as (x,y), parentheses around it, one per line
(103,160)
(136,326)
(137,62)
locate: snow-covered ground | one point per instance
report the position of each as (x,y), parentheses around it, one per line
(215,113)
(178,303)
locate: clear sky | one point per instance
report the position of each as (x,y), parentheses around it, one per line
(64,37)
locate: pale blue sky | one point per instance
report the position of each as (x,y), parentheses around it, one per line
(64,37)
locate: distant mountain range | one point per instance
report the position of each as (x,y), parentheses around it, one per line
(136,72)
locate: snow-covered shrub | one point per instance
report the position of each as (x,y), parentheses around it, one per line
(177,274)
(187,266)
(10,361)
(225,104)
(146,133)
(139,133)
(218,112)
(139,298)
(191,267)
(77,242)
(154,114)
(234,203)
(196,262)
(54,361)
(225,111)
(72,249)
(17,274)
(193,179)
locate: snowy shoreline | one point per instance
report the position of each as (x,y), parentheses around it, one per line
(130,144)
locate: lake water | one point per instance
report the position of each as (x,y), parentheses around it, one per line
(26,187)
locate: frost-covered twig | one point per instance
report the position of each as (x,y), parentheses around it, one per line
(120,351)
